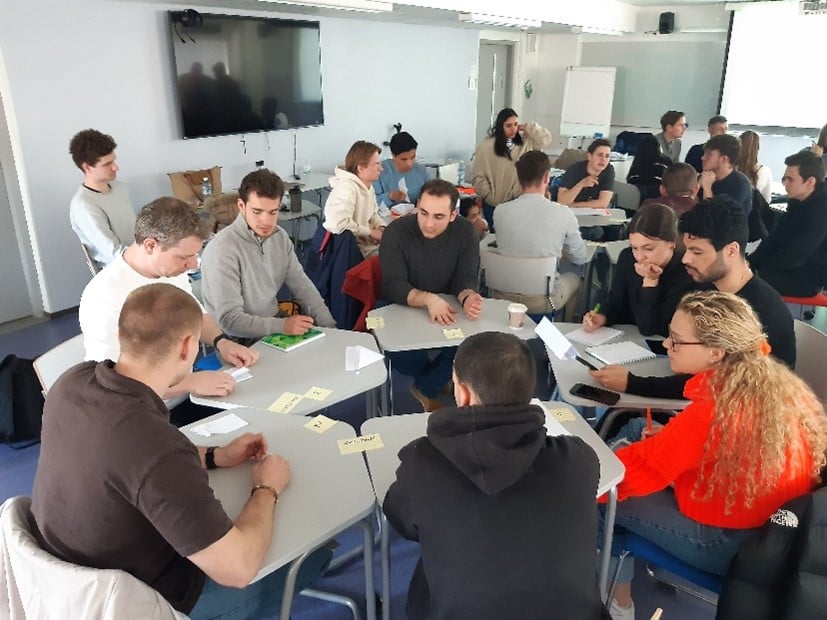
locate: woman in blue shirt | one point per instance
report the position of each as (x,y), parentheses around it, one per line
(401,166)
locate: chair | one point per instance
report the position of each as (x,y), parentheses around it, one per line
(817,300)
(516,278)
(811,347)
(57,360)
(90,262)
(701,584)
(36,584)
(627,196)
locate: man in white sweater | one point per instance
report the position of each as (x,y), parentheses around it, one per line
(100,212)
(245,265)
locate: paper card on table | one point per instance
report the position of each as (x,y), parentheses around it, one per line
(598,336)
(552,424)
(453,334)
(357,356)
(225,424)
(562,414)
(555,340)
(239,374)
(375,322)
(589,211)
(317,393)
(285,403)
(320,424)
(360,444)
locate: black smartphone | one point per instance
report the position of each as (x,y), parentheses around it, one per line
(594,393)
(586,363)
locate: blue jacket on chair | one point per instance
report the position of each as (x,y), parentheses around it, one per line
(328,260)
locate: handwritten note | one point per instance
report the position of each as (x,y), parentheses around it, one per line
(375,322)
(285,403)
(320,424)
(562,414)
(226,424)
(360,444)
(317,393)
(453,334)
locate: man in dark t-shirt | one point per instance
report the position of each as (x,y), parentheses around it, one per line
(719,177)
(589,183)
(117,486)
(421,257)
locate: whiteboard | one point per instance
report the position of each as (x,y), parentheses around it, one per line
(653,77)
(587,101)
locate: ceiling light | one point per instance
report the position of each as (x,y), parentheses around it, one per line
(593,30)
(499,20)
(362,6)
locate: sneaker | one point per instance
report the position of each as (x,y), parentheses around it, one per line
(428,404)
(621,613)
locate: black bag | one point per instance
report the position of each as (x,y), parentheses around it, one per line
(21,401)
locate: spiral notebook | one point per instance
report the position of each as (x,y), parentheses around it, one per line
(620,353)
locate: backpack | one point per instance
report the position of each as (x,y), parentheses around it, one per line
(21,401)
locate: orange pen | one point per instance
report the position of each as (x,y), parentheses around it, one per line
(648,420)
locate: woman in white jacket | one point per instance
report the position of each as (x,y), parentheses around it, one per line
(758,174)
(351,204)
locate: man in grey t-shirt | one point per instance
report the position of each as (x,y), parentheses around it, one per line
(100,212)
(673,125)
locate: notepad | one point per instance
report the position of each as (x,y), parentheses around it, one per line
(620,353)
(593,338)
(283,342)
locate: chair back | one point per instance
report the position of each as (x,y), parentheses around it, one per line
(627,196)
(37,584)
(811,345)
(511,274)
(57,360)
(90,262)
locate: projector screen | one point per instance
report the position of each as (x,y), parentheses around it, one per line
(775,67)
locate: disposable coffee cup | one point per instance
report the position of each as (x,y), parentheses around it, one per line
(516,315)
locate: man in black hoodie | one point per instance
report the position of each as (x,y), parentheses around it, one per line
(505,515)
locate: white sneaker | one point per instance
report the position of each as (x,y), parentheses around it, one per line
(621,613)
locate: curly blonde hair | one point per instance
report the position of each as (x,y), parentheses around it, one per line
(765,419)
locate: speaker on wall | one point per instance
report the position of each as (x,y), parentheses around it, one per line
(666,23)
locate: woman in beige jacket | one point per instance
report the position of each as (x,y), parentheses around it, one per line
(351,204)
(493,174)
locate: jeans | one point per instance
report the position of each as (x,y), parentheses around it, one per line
(657,519)
(259,599)
(488,214)
(430,368)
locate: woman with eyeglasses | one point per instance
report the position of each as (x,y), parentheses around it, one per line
(493,173)
(649,279)
(753,437)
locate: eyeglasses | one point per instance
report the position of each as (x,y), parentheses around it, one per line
(674,344)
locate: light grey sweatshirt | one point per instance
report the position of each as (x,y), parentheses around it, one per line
(242,275)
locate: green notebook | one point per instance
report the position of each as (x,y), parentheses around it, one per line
(283,342)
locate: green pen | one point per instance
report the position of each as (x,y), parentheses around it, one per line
(596,308)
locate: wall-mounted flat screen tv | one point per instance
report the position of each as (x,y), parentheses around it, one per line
(236,74)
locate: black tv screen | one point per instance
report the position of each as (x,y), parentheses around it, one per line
(237,74)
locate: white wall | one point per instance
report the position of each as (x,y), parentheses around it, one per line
(105,64)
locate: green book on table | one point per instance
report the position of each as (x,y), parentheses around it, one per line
(284,342)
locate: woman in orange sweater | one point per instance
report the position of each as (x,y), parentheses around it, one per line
(753,437)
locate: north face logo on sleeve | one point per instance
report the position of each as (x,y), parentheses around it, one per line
(784,518)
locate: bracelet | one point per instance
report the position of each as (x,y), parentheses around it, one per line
(218,339)
(464,299)
(266,487)
(209,457)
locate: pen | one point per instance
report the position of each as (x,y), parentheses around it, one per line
(596,308)
(648,420)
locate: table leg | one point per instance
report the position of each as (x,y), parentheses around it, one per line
(370,593)
(385,556)
(608,532)
(290,585)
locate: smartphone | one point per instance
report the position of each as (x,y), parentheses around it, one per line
(586,363)
(594,393)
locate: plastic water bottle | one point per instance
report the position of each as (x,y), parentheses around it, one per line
(461,173)
(206,187)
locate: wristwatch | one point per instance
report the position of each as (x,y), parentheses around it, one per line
(209,457)
(218,339)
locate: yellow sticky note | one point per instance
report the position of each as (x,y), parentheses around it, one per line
(360,444)
(563,415)
(375,322)
(317,393)
(285,403)
(320,424)
(452,334)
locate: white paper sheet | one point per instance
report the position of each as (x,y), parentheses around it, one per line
(598,336)
(225,424)
(357,357)
(553,426)
(239,374)
(555,340)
